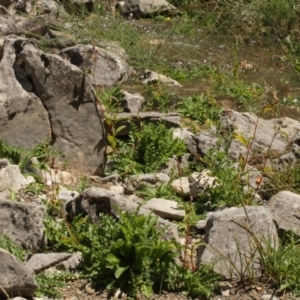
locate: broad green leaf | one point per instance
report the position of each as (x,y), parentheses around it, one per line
(147,290)
(120,271)
(119,129)
(111,258)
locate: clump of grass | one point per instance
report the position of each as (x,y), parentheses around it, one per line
(286,178)
(281,266)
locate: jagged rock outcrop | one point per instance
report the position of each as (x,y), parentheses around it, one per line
(281,135)
(52,97)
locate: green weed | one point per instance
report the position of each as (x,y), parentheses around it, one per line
(229,191)
(129,254)
(148,149)
(49,284)
(110,97)
(159,98)
(83,184)
(7,244)
(279,260)
(201,108)
(19,156)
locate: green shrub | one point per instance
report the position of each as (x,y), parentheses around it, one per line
(147,150)
(129,254)
(159,97)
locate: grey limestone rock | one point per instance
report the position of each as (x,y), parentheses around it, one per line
(106,67)
(143,8)
(285,211)
(68,97)
(230,248)
(15,278)
(41,261)
(166,209)
(23,223)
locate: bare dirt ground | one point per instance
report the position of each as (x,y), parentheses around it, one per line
(82,290)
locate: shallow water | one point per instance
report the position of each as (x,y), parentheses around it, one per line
(258,63)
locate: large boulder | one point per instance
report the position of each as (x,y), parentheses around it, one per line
(232,237)
(15,278)
(285,210)
(53,97)
(274,136)
(24,121)
(23,223)
(105,66)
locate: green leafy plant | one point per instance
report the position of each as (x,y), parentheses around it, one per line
(13,154)
(110,97)
(159,97)
(7,244)
(201,108)
(113,128)
(148,149)
(196,284)
(19,156)
(128,254)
